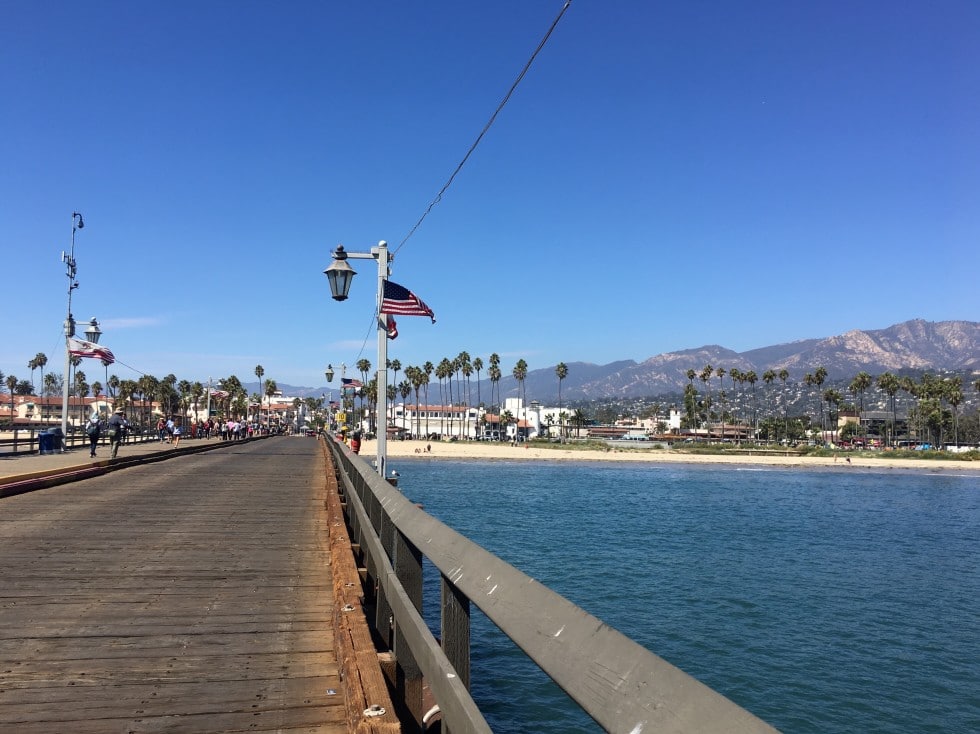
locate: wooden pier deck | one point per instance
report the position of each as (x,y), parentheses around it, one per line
(192,595)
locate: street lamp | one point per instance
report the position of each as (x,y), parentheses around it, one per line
(329,373)
(71,271)
(93,332)
(340,274)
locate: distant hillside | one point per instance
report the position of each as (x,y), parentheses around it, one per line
(912,345)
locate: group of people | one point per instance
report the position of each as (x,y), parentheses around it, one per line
(116,427)
(169,429)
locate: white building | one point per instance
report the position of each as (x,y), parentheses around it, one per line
(459,421)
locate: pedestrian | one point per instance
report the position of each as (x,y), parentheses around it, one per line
(177,432)
(93,429)
(161,429)
(117,430)
(355,442)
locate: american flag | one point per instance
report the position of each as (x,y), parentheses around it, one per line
(401,301)
(82,348)
(349,382)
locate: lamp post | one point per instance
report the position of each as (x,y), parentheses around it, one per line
(92,334)
(69,327)
(329,373)
(340,275)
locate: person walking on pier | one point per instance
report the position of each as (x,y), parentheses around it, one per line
(93,429)
(117,430)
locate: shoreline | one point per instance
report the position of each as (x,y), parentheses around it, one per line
(487,451)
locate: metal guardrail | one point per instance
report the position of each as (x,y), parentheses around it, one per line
(623,686)
(27,441)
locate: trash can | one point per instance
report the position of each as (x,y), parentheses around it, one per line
(44,443)
(57,439)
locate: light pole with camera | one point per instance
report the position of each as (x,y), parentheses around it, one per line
(341,274)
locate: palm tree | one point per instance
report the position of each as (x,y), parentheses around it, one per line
(466,370)
(561,372)
(40,359)
(147,386)
(751,378)
(259,371)
(691,400)
(768,377)
(52,386)
(81,390)
(184,390)
(427,369)
(976,387)
(441,372)
(908,385)
(270,388)
(890,385)
(197,392)
(506,418)
(832,397)
(720,371)
(405,388)
(395,365)
(578,418)
(416,378)
(477,367)
(819,376)
(520,373)
(861,382)
(953,391)
(127,388)
(738,387)
(11,385)
(494,369)
(705,375)
(364,367)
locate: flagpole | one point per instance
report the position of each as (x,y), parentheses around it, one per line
(382,381)
(69,326)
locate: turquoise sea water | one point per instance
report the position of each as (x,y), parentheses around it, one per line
(822,601)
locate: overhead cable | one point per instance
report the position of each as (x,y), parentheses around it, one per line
(486,127)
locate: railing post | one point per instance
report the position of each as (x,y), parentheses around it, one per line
(407,564)
(383,614)
(455,629)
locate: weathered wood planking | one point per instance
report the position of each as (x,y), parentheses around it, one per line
(193,595)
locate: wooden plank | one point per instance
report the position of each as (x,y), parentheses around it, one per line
(366,687)
(193,595)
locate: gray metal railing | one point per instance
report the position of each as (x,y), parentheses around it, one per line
(27,440)
(623,686)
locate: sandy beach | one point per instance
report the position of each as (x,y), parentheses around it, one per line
(505,452)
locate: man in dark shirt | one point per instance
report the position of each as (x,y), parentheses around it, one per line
(117,430)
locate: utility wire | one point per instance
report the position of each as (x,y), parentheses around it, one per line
(472,148)
(486,127)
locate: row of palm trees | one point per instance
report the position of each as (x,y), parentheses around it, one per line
(928,416)
(173,396)
(453,376)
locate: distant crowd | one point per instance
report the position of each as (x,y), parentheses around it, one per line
(171,430)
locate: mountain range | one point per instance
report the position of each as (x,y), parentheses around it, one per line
(914,346)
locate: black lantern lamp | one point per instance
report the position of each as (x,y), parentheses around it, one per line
(340,275)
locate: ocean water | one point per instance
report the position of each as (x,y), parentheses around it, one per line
(826,601)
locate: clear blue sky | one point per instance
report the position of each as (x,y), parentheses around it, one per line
(667,175)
